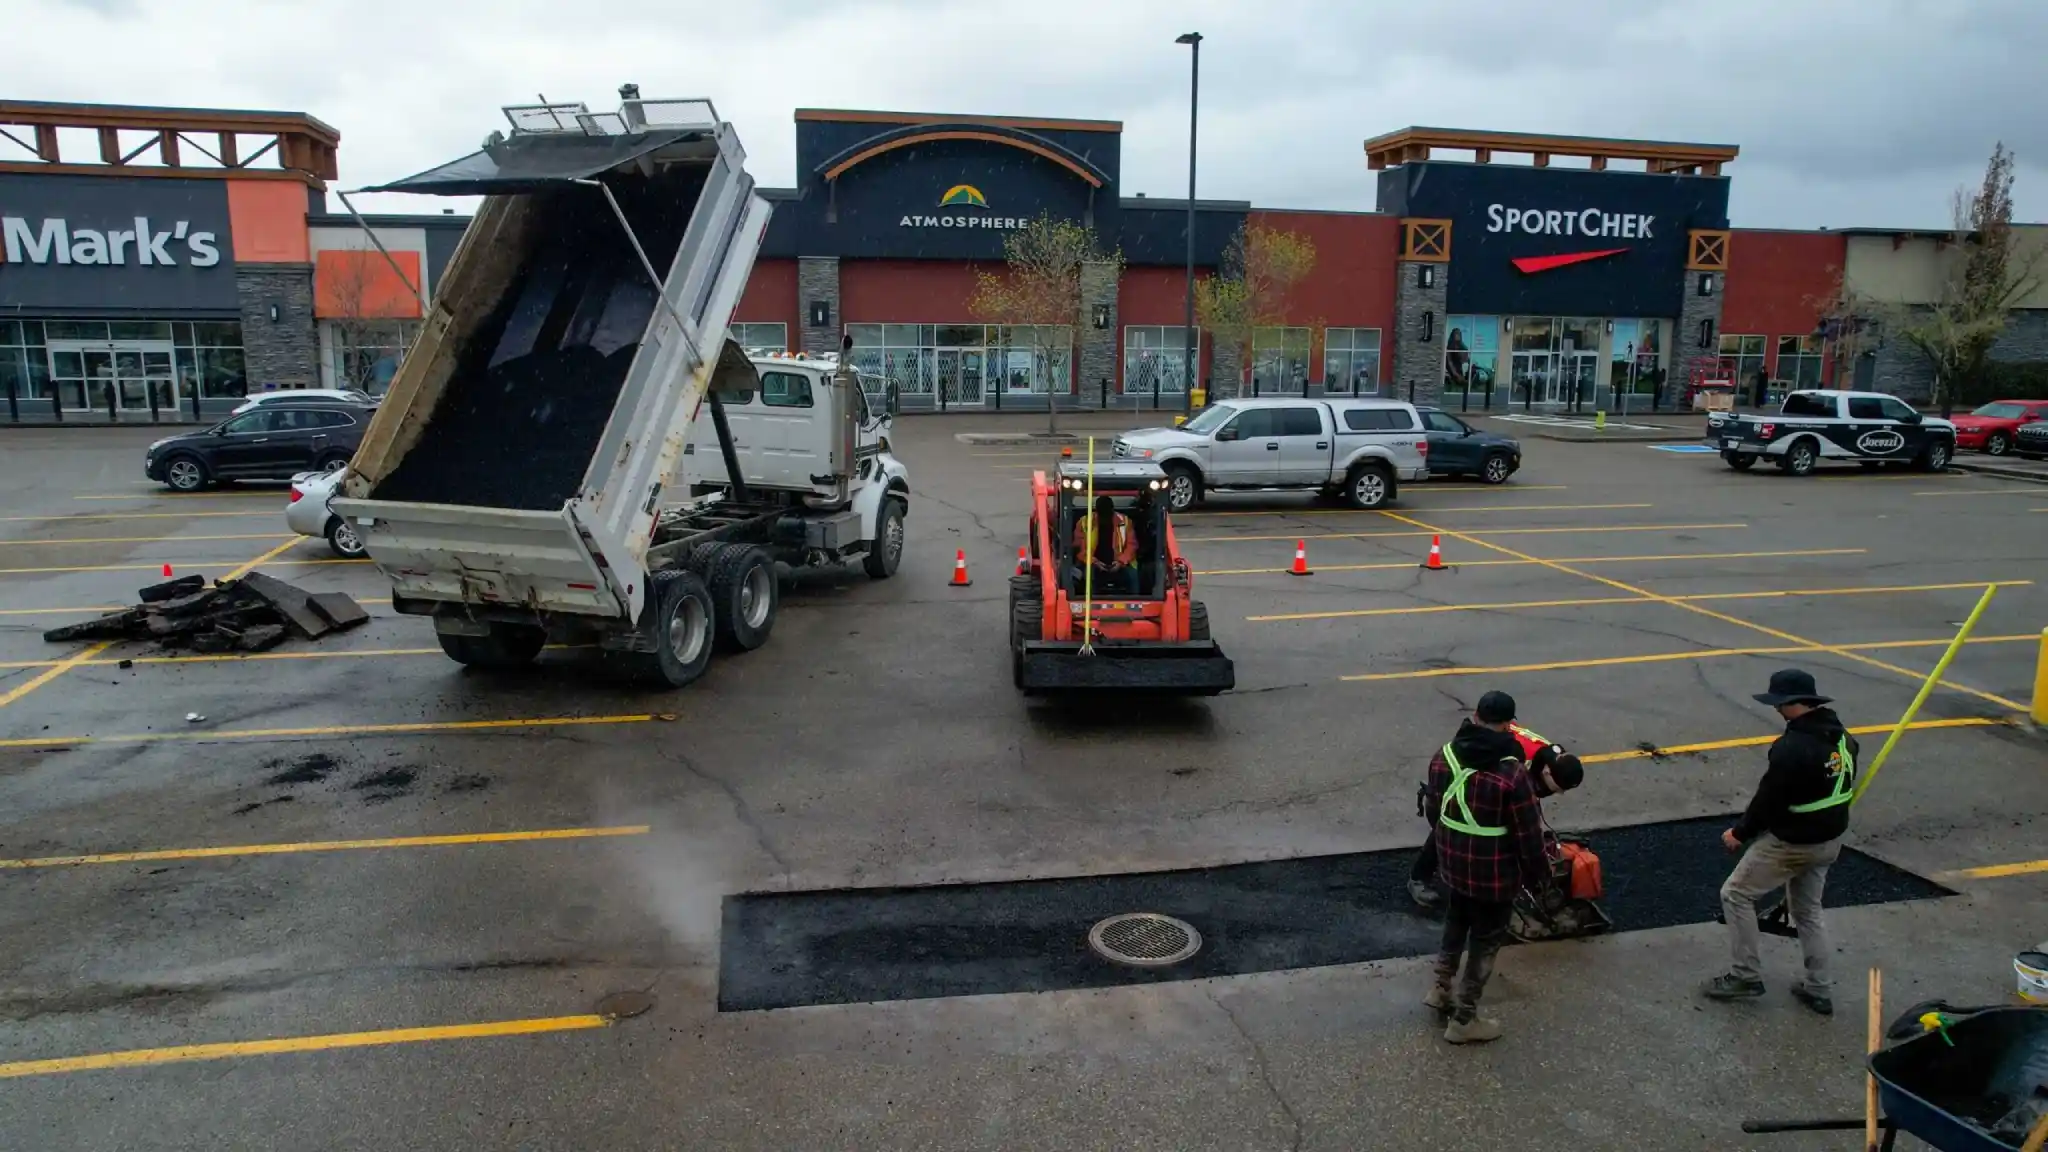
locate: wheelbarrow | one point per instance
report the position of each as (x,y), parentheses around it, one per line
(1957,1079)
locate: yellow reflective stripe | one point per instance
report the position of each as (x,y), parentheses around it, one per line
(1462,820)
(1845,777)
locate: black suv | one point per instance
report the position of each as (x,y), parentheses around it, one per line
(274,442)
(2031,441)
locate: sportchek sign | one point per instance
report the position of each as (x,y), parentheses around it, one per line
(98,245)
(1558,241)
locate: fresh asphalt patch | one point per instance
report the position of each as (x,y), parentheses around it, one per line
(855,945)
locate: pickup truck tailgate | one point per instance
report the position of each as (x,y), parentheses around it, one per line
(497,556)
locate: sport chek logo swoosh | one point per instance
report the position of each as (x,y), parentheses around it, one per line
(1532,264)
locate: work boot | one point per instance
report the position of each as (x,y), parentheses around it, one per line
(1425,894)
(1820,1002)
(1477,1030)
(1729,986)
(1440,996)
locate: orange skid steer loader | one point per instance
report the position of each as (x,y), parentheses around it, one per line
(1080,624)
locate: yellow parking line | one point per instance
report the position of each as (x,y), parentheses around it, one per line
(56,669)
(236,657)
(193,564)
(160,494)
(1983,492)
(258,562)
(1684,599)
(1412,490)
(1464,531)
(1537,507)
(1993,871)
(1664,657)
(91,608)
(137,1057)
(1760,741)
(1406,564)
(74,517)
(138,539)
(335,730)
(329,846)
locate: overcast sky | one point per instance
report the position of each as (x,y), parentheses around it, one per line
(1848,112)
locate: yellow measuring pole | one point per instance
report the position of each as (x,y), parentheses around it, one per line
(1088,561)
(1926,690)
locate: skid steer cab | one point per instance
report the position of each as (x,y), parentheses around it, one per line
(1121,617)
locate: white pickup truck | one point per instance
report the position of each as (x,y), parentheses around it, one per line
(1819,424)
(519,483)
(1360,450)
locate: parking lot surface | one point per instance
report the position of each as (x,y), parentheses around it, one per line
(371,899)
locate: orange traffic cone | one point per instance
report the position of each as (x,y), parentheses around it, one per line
(1023,560)
(1435,563)
(167,571)
(960,579)
(1300,559)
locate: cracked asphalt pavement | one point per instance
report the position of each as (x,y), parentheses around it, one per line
(413,846)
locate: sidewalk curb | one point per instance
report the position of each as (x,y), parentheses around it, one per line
(2001,472)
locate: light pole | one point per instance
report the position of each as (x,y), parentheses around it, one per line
(1187,391)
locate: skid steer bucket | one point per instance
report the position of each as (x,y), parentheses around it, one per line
(1196,668)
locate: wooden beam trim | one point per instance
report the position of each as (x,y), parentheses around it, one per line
(834,172)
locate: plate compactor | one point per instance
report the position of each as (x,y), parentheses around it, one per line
(1570,906)
(1079,627)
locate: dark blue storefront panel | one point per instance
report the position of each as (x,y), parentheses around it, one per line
(896,205)
(95,246)
(1159,235)
(1499,214)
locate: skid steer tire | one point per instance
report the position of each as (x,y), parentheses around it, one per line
(745,595)
(1198,621)
(1027,622)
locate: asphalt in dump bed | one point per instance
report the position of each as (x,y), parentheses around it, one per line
(522,415)
(853,945)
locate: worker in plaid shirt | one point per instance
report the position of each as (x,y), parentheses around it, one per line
(1489,843)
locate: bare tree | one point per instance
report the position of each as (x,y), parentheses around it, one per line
(362,320)
(1851,326)
(1984,282)
(1260,269)
(1039,288)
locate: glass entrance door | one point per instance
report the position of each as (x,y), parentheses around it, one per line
(959,375)
(126,375)
(1572,382)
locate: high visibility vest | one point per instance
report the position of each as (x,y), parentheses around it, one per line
(1461,820)
(1531,742)
(1842,766)
(1126,550)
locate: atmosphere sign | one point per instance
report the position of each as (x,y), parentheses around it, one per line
(962,196)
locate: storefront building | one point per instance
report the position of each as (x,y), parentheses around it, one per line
(158,264)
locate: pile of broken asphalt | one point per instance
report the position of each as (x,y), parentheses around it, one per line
(251,614)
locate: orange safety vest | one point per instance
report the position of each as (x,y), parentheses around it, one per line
(1120,536)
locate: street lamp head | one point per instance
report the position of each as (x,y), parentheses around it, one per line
(1188,38)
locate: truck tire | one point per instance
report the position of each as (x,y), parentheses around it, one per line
(1027,622)
(1369,486)
(885,551)
(1183,487)
(1740,461)
(744,595)
(681,622)
(1800,458)
(1198,620)
(1935,458)
(508,646)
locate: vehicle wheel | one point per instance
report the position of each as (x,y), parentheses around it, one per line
(1198,620)
(745,595)
(1998,445)
(1496,469)
(681,622)
(328,462)
(344,539)
(1022,588)
(1740,461)
(885,552)
(508,646)
(1027,622)
(185,474)
(1183,488)
(1935,458)
(1369,487)
(1799,460)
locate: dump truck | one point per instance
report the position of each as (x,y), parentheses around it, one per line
(530,476)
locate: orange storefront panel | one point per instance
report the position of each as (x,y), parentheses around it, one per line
(364,286)
(268,220)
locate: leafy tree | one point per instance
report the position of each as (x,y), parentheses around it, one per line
(1260,269)
(1040,288)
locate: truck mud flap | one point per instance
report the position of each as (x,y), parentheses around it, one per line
(1194,669)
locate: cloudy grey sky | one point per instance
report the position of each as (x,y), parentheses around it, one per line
(1848,112)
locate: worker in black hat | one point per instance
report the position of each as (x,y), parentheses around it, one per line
(1551,770)
(1789,835)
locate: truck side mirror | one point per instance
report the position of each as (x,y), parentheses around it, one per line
(1228,432)
(894,397)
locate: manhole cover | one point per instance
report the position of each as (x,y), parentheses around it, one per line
(1144,939)
(624,1005)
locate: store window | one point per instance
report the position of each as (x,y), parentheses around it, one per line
(759,337)
(1471,357)
(1155,359)
(1280,361)
(130,365)
(1636,357)
(365,354)
(1800,360)
(961,363)
(1744,355)
(1351,361)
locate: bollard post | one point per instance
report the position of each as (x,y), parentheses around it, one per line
(2041,682)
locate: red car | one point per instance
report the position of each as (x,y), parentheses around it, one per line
(1990,429)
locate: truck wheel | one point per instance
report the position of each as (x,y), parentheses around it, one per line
(508,646)
(1370,486)
(681,622)
(1198,620)
(1799,460)
(1740,461)
(1935,458)
(1183,488)
(745,595)
(885,551)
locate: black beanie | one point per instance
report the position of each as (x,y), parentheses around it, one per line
(1568,772)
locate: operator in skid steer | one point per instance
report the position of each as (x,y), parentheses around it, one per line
(1110,549)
